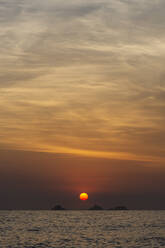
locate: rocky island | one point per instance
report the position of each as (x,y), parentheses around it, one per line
(58,207)
(118,208)
(96,207)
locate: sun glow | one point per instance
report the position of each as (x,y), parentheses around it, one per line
(83,196)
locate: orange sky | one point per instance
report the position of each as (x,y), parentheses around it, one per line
(82,100)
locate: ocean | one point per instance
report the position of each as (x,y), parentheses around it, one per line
(82,229)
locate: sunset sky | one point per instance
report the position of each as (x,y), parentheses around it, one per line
(82,103)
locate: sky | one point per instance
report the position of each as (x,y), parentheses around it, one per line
(82,99)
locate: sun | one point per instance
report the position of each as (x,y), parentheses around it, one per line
(83,196)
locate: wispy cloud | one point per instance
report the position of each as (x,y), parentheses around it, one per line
(84,76)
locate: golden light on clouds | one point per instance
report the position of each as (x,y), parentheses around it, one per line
(82,93)
(83,78)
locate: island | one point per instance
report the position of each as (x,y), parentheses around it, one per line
(96,207)
(58,208)
(119,208)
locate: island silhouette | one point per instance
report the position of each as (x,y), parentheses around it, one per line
(94,207)
(119,208)
(58,207)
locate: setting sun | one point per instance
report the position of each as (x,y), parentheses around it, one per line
(83,196)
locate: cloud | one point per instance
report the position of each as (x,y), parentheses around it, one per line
(83,75)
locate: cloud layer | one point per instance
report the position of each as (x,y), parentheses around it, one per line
(83,75)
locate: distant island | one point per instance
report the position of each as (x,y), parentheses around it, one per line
(97,207)
(119,208)
(58,207)
(94,207)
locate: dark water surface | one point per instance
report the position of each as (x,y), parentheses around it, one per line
(79,229)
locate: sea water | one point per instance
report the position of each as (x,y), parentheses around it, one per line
(79,229)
